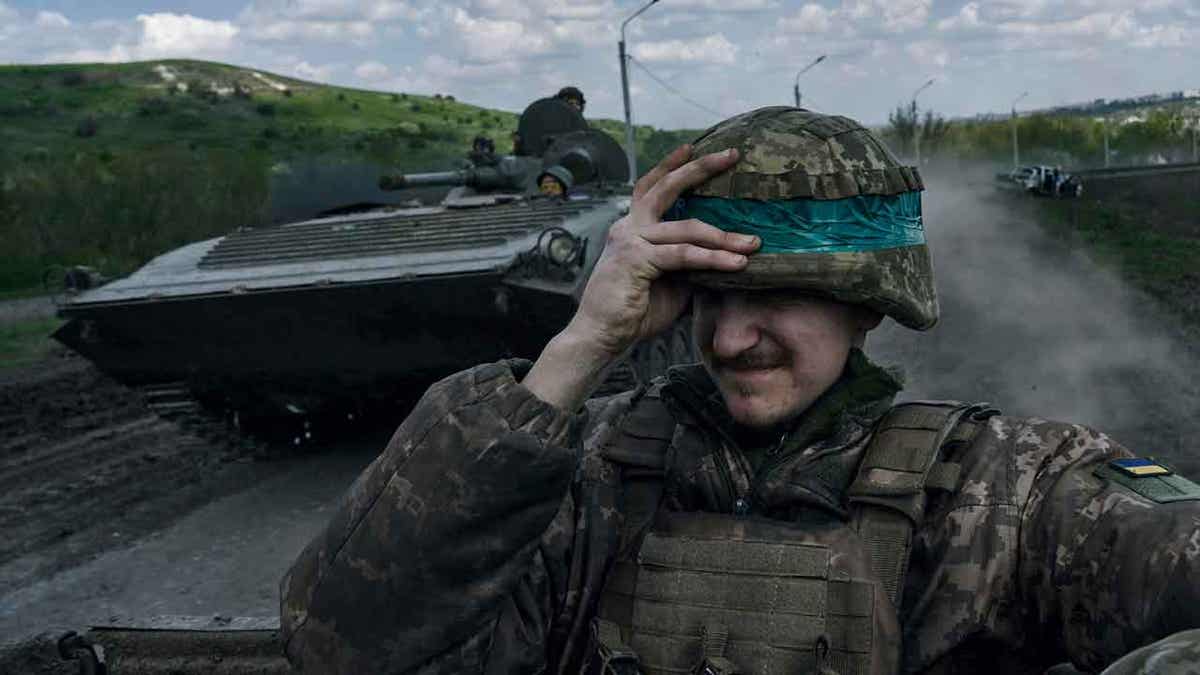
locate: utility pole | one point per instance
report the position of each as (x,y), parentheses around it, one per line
(917,122)
(1106,156)
(1016,147)
(1195,143)
(630,147)
(796,86)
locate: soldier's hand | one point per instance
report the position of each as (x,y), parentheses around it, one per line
(631,294)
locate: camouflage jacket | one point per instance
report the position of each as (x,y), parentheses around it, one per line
(481,538)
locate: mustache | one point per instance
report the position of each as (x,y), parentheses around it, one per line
(754,359)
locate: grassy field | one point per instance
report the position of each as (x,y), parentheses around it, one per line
(1147,248)
(107,165)
(26,342)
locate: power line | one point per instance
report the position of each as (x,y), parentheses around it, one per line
(673,90)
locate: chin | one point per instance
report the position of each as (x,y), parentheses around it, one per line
(759,411)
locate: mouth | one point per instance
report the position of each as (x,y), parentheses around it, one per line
(752,372)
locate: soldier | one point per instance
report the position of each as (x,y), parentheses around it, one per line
(483,152)
(769,510)
(573,97)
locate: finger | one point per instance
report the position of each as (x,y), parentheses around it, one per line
(700,233)
(679,257)
(677,158)
(664,193)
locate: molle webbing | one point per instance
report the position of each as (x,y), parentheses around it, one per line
(899,465)
(776,601)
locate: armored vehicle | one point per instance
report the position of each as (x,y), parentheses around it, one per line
(353,311)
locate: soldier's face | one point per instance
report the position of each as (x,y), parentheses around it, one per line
(773,353)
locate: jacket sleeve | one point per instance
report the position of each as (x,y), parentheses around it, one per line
(1105,568)
(446,554)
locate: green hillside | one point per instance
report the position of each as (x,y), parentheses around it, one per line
(110,164)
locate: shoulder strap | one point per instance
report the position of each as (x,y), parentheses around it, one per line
(899,465)
(636,447)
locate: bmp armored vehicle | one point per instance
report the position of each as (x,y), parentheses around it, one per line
(348,312)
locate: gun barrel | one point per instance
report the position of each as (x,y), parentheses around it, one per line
(399,181)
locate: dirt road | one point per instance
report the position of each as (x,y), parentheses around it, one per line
(109,510)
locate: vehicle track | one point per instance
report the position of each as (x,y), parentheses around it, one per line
(86,464)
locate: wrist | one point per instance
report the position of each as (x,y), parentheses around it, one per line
(569,369)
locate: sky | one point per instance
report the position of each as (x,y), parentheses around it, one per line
(694,61)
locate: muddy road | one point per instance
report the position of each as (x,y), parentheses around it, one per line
(109,510)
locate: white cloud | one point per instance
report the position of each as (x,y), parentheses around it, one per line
(812,18)
(49,20)
(1164,36)
(307,71)
(726,5)
(165,34)
(7,13)
(715,48)
(967,18)
(371,71)
(928,53)
(322,31)
(1114,26)
(491,40)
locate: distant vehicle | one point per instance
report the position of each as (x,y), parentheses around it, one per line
(338,315)
(1049,181)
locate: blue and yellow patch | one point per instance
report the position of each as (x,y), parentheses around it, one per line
(1137,467)
(1149,479)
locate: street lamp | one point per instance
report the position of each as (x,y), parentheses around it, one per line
(630,149)
(805,69)
(1016,151)
(917,122)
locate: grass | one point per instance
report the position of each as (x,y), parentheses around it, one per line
(1165,265)
(26,342)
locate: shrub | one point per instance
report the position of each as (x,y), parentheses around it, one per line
(152,107)
(354,106)
(287,93)
(73,78)
(265,109)
(270,133)
(341,96)
(87,127)
(395,98)
(416,143)
(414,106)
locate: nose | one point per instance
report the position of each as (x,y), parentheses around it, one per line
(735,327)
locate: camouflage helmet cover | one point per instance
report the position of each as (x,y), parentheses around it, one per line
(792,153)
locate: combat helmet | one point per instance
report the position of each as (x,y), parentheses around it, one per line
(838,215)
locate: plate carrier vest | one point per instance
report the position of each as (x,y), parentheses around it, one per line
(718,594)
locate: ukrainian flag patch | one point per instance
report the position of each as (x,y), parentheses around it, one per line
(1149,479)
(1138,467)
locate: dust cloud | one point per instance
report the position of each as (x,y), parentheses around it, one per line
(1039,329)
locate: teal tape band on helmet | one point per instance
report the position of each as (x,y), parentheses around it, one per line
(862,223)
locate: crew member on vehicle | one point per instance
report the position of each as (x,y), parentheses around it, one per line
(573,97)
(769,510)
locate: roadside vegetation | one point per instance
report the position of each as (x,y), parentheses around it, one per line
(25,342)
(1163,133)
(1148,230)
